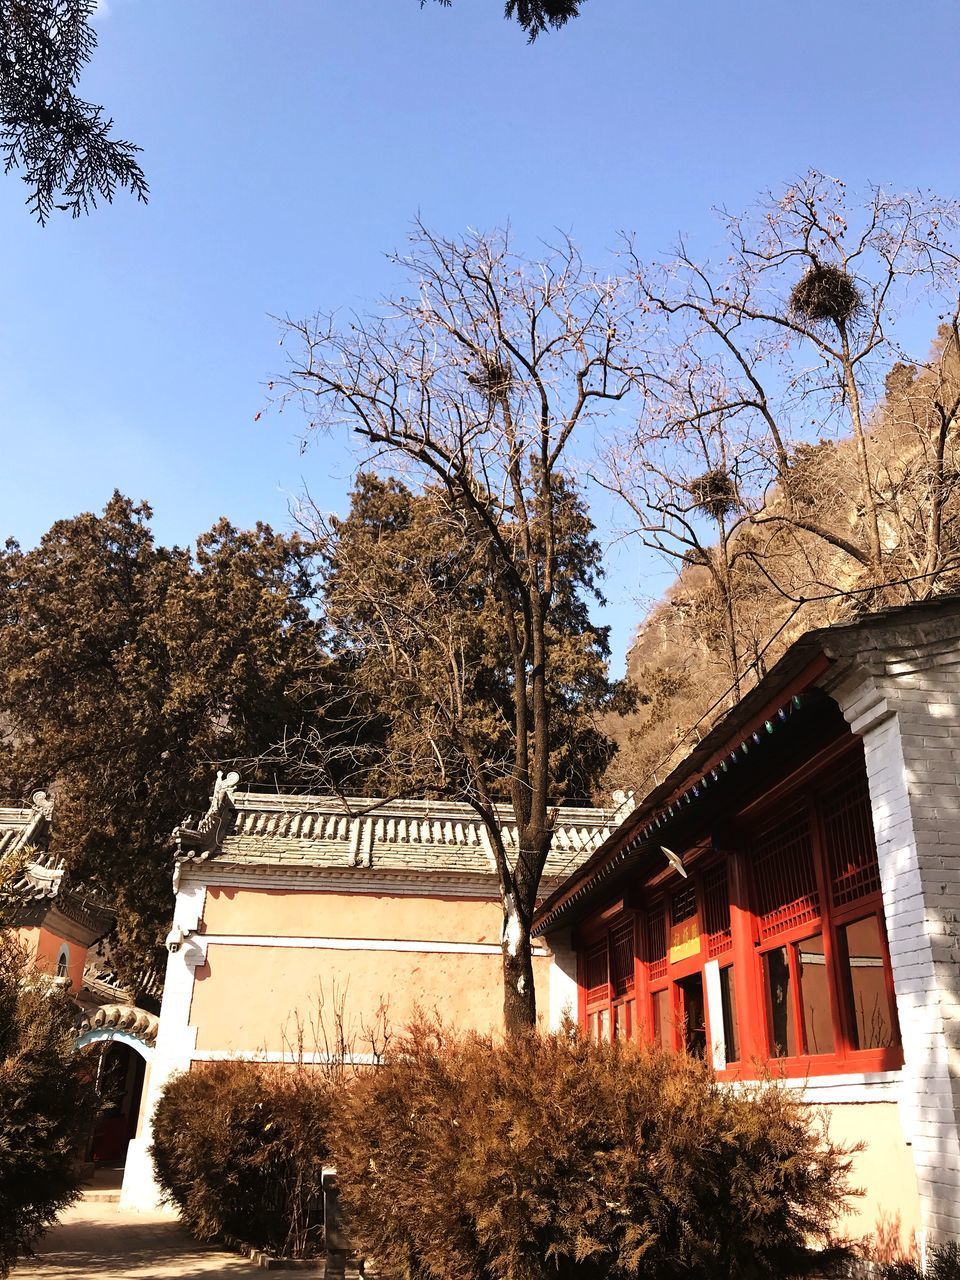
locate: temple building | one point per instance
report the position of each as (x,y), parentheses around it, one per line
(56,922)
(306,925)
(787,902)
(61,926)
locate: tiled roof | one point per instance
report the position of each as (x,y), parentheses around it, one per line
(22,828)
(141,1024)
(389,835)
(890,636)
(20,823)
(39,875)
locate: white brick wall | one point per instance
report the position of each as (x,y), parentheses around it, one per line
(175,1044)
(563,978)
(908,713)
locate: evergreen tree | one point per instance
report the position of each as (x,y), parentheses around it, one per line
(46,1104)
(413,612)
(62,144)
(128,669)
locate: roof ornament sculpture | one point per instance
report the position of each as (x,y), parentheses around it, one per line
(43,804)
(202,839)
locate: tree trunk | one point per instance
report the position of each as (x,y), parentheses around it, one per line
(519,997)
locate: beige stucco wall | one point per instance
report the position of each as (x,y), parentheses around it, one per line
(284,913)
(884,1169)
(42,946)
(250,997)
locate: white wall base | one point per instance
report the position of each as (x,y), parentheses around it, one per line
(140,1191)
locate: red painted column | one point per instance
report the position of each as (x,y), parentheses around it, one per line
(746,965)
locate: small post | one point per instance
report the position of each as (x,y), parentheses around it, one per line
(335,1242)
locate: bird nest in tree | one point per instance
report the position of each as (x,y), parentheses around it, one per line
(714,492)
(825,292)
(493,377)
(694,558)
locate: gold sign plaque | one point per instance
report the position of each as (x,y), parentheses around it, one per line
(684,941)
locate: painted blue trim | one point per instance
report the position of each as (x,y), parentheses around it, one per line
(112,1033)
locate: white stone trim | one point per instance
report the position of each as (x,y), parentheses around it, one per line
(285,1055)
(860,1086)
(373,882)
(355,944)
(714,1001)
(853,1086)
(564,996)
(909,720)
(176,1041)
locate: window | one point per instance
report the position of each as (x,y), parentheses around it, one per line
(63,962)
(728,1008)
(694,1014)
(609,978)
(656,942)
(596,980)
(815,1013)
(873,1023)
(663,1020)
(623,979)
(716,910)
(818,916)
(781,1011)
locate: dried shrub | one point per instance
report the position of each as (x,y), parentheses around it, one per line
(943,1263)
(551,1156)
(47,1103)
(826,292)
(714,493)
(239,1149)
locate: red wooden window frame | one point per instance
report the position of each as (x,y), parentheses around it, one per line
(806,867)
(702,898)
(831,823)
(607,978)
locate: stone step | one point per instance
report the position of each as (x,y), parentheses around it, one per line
(101,1195)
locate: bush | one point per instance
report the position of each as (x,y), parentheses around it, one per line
(239,1149)
(46,1104)
(943,1263)
(551,1156)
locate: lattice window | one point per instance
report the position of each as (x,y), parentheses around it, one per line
(848,833)
(716,910)
(785,883)
(683,904)
(656,941)
(621,959)
(596,974)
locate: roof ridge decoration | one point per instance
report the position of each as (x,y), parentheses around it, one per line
(269,828)
(139,1023)
(30,871)
(203,838)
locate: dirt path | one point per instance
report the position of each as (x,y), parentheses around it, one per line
(96,1238)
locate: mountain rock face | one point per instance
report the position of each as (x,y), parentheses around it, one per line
(785,581)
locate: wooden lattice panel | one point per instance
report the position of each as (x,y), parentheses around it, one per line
(785,883)
(622,976)
(683,904)
(848,834)
(716,910)
(596,974)
(656,941)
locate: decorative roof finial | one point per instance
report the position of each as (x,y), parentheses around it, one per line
(204,838)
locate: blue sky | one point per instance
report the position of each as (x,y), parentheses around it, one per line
(289,143)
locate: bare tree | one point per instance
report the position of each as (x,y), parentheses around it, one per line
(754,366)
(475,386)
